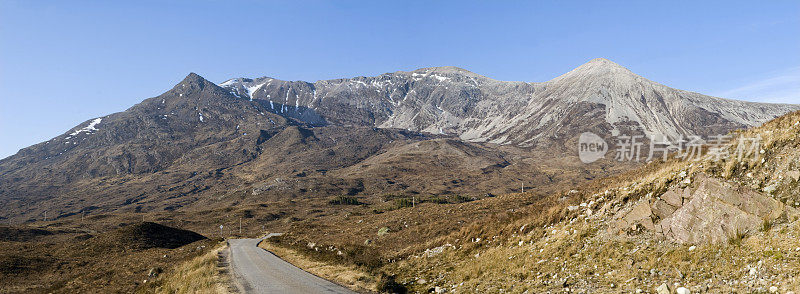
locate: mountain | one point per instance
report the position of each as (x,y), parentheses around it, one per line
(599,95)
(430,131)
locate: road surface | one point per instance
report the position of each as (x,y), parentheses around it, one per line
(259,271)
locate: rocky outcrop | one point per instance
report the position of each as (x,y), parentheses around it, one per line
(709,210)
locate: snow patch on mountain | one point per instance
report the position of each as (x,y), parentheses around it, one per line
(89,128)
(252,89)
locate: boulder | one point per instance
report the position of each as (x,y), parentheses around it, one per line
(717,210)
(709,211)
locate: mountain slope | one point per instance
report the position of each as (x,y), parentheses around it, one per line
(599,96)
(270,138)
(70,170)
(714,225)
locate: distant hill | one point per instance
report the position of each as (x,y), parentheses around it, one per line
(145,235)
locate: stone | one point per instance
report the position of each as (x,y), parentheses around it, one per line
(672,198)
(663,289)
(640,214)
(435,251)
(662,209)
(664,225)
(773,289)
(686,194)
(154,272)
(682,290)
(769,189)
(794,175)
(692,248)
(383,231)
(717,210)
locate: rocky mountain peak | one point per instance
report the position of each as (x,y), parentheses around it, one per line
(445,70)
(193,78)
(599,68)
(603,64)
(193,84)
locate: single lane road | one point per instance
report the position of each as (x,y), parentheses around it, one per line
(259,271)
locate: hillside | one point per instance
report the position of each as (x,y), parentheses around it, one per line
(433,131)
(123,257)
(711,225)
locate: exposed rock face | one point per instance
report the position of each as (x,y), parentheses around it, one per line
(599,96)
(708,211)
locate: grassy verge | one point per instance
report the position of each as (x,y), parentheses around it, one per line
(347,275)
(199,275)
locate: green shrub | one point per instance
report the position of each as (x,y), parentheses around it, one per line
(462,199)
(390,197)
(437,200)
(344,200)
(403,202)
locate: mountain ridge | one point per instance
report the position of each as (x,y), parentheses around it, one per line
(200,139)
(477,108)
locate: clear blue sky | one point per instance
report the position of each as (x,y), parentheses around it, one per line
(64,62)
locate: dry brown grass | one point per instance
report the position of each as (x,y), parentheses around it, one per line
(577,256)
(347,275)
(48,259)
(198,275)
(573,253)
